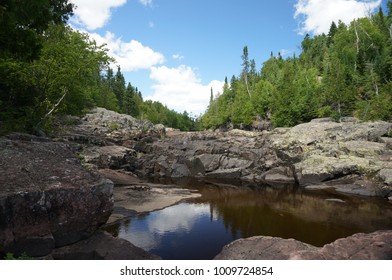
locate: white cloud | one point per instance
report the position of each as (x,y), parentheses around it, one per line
(178,56)
(146,2)
(94,14)
(132,55)
(180,89)
(151,24)
(316,16)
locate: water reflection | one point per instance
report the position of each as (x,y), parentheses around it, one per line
(183,231)
(198,229)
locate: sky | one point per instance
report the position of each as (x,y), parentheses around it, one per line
(175,51)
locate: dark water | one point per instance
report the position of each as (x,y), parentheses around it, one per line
(199,228)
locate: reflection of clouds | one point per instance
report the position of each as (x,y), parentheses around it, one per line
(143,239)
(178,218)
(147,231)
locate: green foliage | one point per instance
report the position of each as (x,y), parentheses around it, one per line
(23,22)
(345,73)
(23,256)
(47,68)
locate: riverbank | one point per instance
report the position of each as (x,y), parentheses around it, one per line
(82,160)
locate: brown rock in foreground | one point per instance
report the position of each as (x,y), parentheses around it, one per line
(262,248)
(361,246)
(47,199)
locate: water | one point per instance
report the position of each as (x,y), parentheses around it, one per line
(199,228)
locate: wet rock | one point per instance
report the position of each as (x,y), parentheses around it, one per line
(372,246)
(102,246)
(47,199)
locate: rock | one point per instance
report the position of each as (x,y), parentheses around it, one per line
(354,185)
(234,173)
(362,187)
(363,148)
(230,163)
(119,177)
(102,246)
(309,133)
(210,162)
(149,197)
(387,141)
(238,132)
(279,175)
(386,176)
(313,153)
(349,119)
(113,157)
(318,168)
(46,198)
(361,246)
(262,248)
(180,170)
(372,246)
(196,167)
(323,120)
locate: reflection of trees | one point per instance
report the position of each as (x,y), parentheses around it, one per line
(250,211)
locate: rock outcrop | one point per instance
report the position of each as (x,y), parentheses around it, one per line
(47,199)
(350,156)
(322,151)
(361,246)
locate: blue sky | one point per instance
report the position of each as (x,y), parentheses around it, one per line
(174,51)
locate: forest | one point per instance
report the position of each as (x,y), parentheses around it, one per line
(49,69)
(345,73)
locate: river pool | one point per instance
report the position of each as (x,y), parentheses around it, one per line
(199,228)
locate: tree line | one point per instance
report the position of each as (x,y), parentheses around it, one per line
(48,68)
(347,72)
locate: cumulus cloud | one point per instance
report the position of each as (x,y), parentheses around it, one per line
(94,14)
(132,55)
(316,16)
(180,89)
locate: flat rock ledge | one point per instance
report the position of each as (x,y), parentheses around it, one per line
(47,199)
(361,246)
